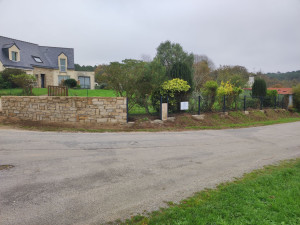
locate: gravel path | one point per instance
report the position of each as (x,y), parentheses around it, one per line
(90,178)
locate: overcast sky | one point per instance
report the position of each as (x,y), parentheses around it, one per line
(258,34)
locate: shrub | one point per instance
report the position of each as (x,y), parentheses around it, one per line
(137,80)
(253,103)
(296,97)
(231,92)
(101,86)
(6,80)
(259,88)
(175,89)
(25,81)
(152,78)
(209,93)
(4,84)
(70,83)
(269,100)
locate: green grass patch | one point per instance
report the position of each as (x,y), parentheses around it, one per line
(40,91)
(92,93)
(19,92)
(8,92)
(266,196)
(72,92)
(247,124)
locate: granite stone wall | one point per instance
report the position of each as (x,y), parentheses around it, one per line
(65,109)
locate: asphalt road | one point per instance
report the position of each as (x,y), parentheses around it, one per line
(89,178)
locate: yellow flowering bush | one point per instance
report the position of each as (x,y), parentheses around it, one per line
(231,92)
(225,89)
(171,87)
(176,89)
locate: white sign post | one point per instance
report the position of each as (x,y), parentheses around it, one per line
(184,105)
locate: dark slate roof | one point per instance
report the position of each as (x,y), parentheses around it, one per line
(49,55)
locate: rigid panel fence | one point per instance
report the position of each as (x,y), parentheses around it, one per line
(198,105)
(66,109)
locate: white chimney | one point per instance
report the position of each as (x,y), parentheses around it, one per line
(251,81)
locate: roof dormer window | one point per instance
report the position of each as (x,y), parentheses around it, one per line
(63,65)
(37,59)
(14,56)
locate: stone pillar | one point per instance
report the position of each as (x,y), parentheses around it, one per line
(164,112)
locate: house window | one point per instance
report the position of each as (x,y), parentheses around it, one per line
(62,65)
(61,79)
(84,82)
(14,56)
(37,59)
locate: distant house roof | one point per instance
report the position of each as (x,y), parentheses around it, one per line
(281,91)
(48,55)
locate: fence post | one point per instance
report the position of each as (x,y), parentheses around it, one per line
(199,101)
(160,107)
(282,103)
(127,117)
(167,106)
(224,104)
(261,102)
(244,103)
(275,102)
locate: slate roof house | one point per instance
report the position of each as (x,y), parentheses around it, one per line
(50,65)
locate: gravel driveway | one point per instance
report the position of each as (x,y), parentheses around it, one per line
(90,178)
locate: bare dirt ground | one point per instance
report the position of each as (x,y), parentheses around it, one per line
(182,121)
(93,178)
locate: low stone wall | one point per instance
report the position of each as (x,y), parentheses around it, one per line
(65,109)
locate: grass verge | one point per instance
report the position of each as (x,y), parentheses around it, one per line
(249,124)
(266,196)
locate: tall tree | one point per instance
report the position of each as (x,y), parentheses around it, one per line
(201,71)
(146,58)
(135,79)
(204,58)
(84,68)
(259,88)
(150,82)
(182,71)
(296,97)
(100,75)
(237,75)
(170,53)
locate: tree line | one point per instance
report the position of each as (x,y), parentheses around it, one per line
(141,80)
(173,72)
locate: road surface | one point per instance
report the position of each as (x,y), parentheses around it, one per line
(93,178)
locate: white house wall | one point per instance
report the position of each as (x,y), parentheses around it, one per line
(1,66)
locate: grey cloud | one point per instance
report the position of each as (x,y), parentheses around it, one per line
(259,34)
